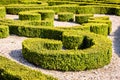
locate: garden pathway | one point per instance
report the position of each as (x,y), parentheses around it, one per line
(10,47)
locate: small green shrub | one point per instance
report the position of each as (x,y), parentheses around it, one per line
(4,31)
(65,16)
(82,18)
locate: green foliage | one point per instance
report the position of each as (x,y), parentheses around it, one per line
(37,15)
(82,18)
(29,16)
(99,18)
(36,31)
(10,70)
(65,16)
(85,10)
(4,31)
(103,21)
(2,12)
(8,1)
(98,54)
(98,28)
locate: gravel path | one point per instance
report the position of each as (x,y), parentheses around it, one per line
(11,48)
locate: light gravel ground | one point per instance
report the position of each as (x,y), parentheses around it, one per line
(11,48)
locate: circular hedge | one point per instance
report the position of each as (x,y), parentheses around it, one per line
(93,51)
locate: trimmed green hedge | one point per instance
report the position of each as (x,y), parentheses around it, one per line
(65,16)
(98,28)
(29,16)
(37,15)
(82,18)
(10,70)
(36,31)
(4,31)
(103,21)
(99,18)
(2,12)
(91,57)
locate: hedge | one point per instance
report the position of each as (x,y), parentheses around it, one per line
(99,18)
(10,70)
(36,31)
(82,18)
(4,31)
(98,28)
(90,57)
(65,16)
(2,12)
(103,21)
(37,15)
(45,23)
(29,16)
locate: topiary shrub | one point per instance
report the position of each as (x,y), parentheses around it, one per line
(82,18)
(4,31)
(95,52)
(65,16)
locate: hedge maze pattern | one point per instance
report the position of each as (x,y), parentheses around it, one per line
(74,48)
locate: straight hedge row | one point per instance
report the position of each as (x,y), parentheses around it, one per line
(87,9)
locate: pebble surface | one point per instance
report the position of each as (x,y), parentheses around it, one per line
(11,46)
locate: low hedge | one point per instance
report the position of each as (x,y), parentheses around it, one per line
(10,70)
(99,18)
(98,28)
(36,31)
(65,16)
(4,31)
(37,15)
(82,18)
(45,23)
(29,16)
(103,21)
(91,57)
(2,12)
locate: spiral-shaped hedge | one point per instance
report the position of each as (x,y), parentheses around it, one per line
(88,51)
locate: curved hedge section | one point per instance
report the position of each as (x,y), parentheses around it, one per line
(65,16)
(82,18)
(4,31)
(10,70)
(37,15)
(92,52)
